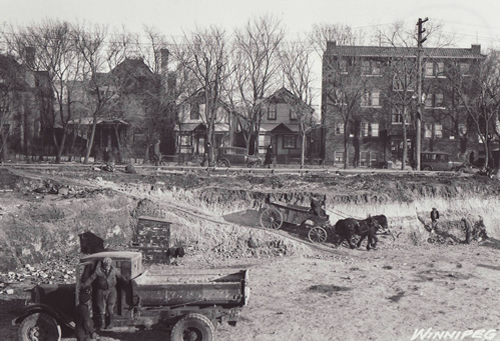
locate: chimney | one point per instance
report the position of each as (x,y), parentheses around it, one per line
(30,57)
(476,49)
(164,54)
(331,44)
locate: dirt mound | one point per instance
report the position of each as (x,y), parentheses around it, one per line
(9,180)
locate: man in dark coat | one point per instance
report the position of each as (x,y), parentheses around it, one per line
(84,327)
(106,277)
(434,219)
(268,161)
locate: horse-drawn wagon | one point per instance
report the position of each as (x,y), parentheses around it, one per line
(274,215)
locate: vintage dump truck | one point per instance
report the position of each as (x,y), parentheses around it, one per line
(192,302)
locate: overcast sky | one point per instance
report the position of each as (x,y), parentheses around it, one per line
(477,22)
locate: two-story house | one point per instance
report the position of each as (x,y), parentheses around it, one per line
(280,125)
(191,126)
(369,100)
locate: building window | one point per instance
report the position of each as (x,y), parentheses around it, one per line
(438,100)
(364,129)
(370,67)
(429,69)
(464,69)
(462,130)
(264,140)
(363,159)
(434,69)
(272,111)
(343,65)
(194,112)
(338,156)
(434,101)
(428,131)
(339,128)
(370,99)
(289,141)
(185,140)
(403,82)
(397,119)
(429,99)
(438,130)
(293,115)
(369,129)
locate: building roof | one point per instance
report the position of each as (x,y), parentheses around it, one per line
(88,121)
(389,51)
(278,128)
(201,127)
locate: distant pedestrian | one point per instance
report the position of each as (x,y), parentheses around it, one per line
(157,153)
(84,326)
(206,155)
(467,228)
(471,158)
(434,219)
(268,161)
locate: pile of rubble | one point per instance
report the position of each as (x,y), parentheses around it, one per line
(60,271)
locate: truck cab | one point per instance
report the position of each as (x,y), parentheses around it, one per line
(192,302)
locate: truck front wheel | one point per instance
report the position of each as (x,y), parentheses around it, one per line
(193,327)
(39,327)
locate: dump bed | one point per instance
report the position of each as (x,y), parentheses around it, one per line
(192,287)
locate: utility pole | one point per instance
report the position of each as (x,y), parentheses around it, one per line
(418,137)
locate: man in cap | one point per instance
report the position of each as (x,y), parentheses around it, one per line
(434,219)
(106,277)
(84,327)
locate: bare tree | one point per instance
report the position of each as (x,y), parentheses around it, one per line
(49,46)
(10,93)
(256,56)
(401,71)
(203,55)
(298,76)
(340,33)
(90,43)
(343,88)
(478,90)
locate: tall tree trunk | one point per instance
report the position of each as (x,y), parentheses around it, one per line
(90,141)
(118,143)
(303,150)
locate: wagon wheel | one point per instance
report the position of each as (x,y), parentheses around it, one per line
(317,235)
(271,218)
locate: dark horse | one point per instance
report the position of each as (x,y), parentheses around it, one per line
(347,228)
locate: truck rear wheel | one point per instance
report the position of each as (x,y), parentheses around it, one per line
(193,327)
(39,327)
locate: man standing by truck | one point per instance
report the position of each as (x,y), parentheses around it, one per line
(84,327)
(106,277)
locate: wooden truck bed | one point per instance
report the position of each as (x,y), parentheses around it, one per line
(191,288)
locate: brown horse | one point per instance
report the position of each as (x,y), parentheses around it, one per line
(347,228)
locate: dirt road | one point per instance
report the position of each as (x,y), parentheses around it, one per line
(385,294)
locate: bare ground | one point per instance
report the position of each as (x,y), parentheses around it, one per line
(331,293)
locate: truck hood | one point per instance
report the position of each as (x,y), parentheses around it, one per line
(57,296)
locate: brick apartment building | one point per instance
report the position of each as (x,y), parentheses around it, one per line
(369,95)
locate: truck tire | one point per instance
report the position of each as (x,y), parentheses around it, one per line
(39,327)
(193,327)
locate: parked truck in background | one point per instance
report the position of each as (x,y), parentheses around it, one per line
(192,302)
